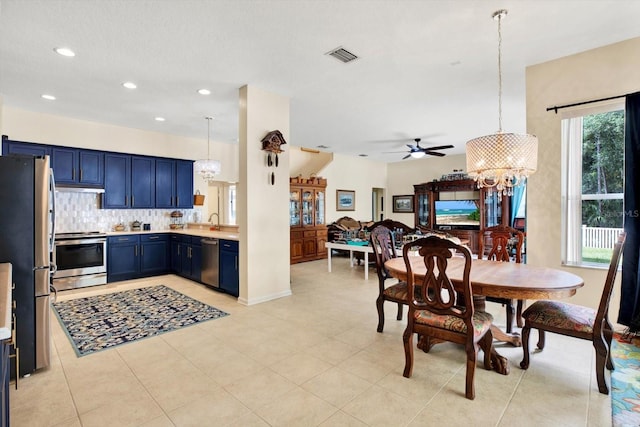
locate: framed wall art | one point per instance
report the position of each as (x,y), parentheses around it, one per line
(403,204)
(345,200)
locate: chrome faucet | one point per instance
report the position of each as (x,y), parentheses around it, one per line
(217,217)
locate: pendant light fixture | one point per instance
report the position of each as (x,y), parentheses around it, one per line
(502,160)
(208,168)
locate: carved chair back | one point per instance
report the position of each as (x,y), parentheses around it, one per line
(503,238)
(383,244)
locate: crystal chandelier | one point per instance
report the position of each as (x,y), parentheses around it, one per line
(208,168)
(502,160)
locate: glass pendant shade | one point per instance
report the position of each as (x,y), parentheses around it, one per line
(207,169)
(417,154)
(502,160)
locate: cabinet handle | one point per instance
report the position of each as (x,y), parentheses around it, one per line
(177,200)
(136,250)
(153,237)
(132,201)
(80,174)
(236,262)
(178,249)
(141,250)
(73,174)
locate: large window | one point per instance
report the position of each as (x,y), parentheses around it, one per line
(592,184)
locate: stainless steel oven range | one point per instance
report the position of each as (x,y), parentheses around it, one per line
(80,260)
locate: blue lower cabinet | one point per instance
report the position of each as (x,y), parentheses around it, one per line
(176,253)
(154,252)
(186,256)
(229,271)
(123,262)
(134,256)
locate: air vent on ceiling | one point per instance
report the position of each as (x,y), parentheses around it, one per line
(342,55)
(322,146)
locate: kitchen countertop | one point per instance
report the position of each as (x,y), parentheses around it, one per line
(187,231)
(5,300)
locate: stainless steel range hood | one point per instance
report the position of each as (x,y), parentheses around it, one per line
(63,189)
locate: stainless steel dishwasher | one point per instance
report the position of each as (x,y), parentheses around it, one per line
(210,265)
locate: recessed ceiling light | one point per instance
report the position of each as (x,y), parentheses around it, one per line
(159,119)
(363,155)
(204,92)
(129,85)
(64,51)
(48,97)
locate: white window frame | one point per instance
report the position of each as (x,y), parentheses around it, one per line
(571,180)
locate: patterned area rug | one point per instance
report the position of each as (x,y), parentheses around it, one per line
(104,321)
(625,382)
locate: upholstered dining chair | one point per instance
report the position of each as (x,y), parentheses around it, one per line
(503,239)
(440,311)
(577,321)
(383,244)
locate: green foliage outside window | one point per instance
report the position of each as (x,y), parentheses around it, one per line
(602,168)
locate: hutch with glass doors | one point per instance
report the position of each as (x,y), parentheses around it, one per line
(459,208)
(307,200)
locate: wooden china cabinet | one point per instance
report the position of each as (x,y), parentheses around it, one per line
(307,204)
(493,207)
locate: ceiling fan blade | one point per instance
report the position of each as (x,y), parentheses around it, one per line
(406,157)
(411,146)
(440,147)
(434,153)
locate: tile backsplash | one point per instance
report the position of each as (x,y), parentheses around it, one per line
(81,212)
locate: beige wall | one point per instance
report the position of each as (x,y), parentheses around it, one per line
(263,209)
(353,173)
(603,72)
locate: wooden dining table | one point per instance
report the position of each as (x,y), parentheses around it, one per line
(502,280)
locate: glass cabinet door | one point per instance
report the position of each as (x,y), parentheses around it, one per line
(423,210)
(307,207)
(319,207)
(492,208)
(294,208)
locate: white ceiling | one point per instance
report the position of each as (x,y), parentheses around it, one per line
(426,69)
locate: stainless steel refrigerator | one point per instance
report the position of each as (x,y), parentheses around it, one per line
(27,223)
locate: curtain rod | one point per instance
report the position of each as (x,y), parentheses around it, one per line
(559,107)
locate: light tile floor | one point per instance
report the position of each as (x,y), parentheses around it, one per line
(311,359)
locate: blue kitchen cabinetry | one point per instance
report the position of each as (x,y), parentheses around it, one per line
(186,256)
(229,273)
(129,181)
(19,147)
(133,256)
(79,167)
(191,250)
(174,183)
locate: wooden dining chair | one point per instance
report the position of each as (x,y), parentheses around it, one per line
(502,240)
(440,311)
(383,244)
(577,321)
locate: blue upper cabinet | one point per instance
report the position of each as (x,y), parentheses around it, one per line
(129,181)
(91,167)
(143,182)
(19,147)
(117,181)
(184,184)
(174,183)
(78,167)
(165,183)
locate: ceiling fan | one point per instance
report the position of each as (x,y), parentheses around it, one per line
(416,151)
